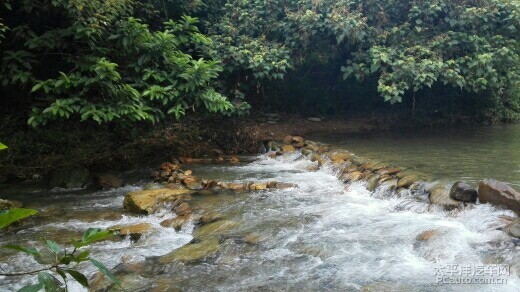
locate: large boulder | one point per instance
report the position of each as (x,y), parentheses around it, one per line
(148,201)
(70,177)
(461,191)
(499,193)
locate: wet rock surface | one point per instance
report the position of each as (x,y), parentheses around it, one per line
(499,193)
(461,191)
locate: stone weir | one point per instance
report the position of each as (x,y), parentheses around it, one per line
(177,189)
(401,181)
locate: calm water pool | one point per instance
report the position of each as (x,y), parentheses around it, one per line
(468,154)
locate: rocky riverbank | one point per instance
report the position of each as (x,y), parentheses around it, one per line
(184,199)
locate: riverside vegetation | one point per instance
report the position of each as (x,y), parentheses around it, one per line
(117,83)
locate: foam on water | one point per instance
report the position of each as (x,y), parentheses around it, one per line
(322,235)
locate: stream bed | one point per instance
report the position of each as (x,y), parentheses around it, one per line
(322,235)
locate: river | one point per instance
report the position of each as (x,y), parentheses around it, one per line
(319,236)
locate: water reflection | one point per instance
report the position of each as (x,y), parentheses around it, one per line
(469,154)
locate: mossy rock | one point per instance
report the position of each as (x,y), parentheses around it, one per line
(148,201)
(215,228)
(192,252)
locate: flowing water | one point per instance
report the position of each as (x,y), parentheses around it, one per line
(322,235)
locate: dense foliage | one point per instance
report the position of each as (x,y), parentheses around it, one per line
(406,46)
(94,60)
(135,60)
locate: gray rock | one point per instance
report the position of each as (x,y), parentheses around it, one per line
(513,228)
(461,191)
(313,119)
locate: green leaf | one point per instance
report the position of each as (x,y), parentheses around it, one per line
(96,234)
(36,87)
(79,277)
(2,146)
(53,246)
(32,288)
(50,283)
(28,250)
(13,215)
(105,271)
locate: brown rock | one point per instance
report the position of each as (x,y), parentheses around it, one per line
(368,165)
(140,229)
(236,187)
(281,185)
(354,176)
(441,196)
(271,185)
(407,181)
(427,235)
(297,139)
(389,171)
(288,148)
(340,156)
(176,222)
(258,186)
(500,194)
(183,209)
(287,140)
(149,200)
(194,186)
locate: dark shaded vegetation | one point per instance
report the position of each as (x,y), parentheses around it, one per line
(123,70)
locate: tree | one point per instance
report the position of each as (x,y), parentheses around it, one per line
(93,60)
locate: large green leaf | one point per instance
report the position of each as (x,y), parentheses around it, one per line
(28,250)
(50,283)
(96,234)
(53,246)
(78,277)
(13,215)
(2,146)
(32,288)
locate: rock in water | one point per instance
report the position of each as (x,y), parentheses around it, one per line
(407,181)
(441,196)
(70,177)
(107,181)
(461,191)
(149,200)
(513,228)
(136,229)
(313,119)
(6,205)
(288,148)
(192,252)
(499,193)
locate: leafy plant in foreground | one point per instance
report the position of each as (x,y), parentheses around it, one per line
(65,262)
(8,217)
